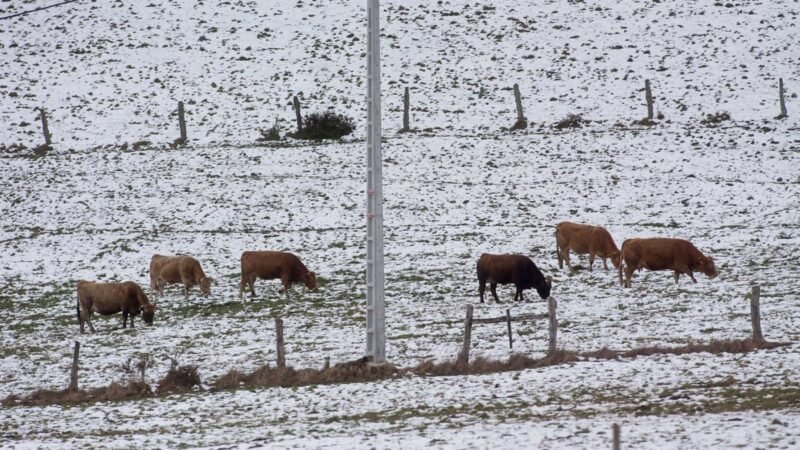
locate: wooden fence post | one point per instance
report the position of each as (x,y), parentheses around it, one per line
(616,444)
(463,357)
(648,95)
(182,124)
(551,310)
(521,122)
(508,322)
(755,314)
(406,106)
(783,102)
(45,128)
(73,377)
(279,338)
(296,104)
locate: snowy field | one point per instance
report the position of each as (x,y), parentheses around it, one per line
(95,209)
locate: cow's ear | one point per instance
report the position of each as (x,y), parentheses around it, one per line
(702,260)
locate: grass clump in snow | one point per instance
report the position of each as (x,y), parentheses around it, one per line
(116,391)
(178,378)
(713,347)
(571,121)
(326,125)
(272,133)
(715,119)
(358,370)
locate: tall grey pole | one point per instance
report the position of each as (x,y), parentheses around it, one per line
(376,336)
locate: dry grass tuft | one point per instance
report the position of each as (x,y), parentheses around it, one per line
(133,390)
(359,370)
(179,379)
(230,380)
(184,378)
(115,392)
(480,365)
(713,347)
(603,353)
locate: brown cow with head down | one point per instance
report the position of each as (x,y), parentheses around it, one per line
(270,265)
(518,270)
(177,269)
(582,239)
(678,255)
(111,298)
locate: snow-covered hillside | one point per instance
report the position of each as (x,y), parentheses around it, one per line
(112,73)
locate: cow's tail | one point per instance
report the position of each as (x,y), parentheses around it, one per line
(621,262)
(78,305)
(558,250)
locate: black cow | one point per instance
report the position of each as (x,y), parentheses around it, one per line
(516,269)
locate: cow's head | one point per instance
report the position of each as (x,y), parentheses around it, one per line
(311,281)
(544,289)
(615,259)
(707,266)
(205,285)
(148,312)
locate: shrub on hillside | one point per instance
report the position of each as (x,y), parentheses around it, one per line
(571,121)
(326,125)
(272,133)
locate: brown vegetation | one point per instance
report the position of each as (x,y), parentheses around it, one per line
(179,379)
(132,390)
(714,347)
(183,378)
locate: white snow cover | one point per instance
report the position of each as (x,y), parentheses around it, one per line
(111,73)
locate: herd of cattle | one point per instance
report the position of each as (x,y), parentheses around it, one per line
(677,255)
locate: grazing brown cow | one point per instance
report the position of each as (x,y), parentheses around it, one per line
(516,269)
(177,269)
(678,255)
(269,265)
(111,298)
(582,239)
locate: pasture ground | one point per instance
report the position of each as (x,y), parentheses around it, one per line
(733,191)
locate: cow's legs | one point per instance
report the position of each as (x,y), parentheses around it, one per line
(565,255)
(81,318)
(481,288)
(160,286)
(241,286)
(558,255)
(91,325)
(125,319)
(691,275)
(153,285)
(605,266)
(187,284)
(251,281)
(88,318)
(677,275)
(628,275)
(493,287)
(591,261)
(286,282)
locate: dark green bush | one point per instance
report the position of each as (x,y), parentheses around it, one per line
(571,121)
(326,125)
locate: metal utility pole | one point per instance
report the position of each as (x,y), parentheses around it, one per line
(376,336)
